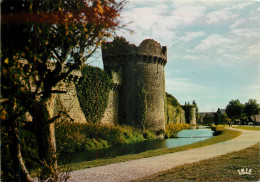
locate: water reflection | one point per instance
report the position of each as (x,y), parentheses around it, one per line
(185,137)
(199,133)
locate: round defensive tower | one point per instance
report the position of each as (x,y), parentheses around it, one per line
(150,61)
(190,114)
(141,69)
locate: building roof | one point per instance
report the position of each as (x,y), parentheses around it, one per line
(222,111)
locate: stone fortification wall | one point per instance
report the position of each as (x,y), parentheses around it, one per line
(175,115)
(111,115)
(139,67)
(68,101)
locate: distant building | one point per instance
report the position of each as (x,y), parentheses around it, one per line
(208,117)
(222,111)
(257,119)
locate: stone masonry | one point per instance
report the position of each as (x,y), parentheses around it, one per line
(190,114)
(138,66)
(69,102)
(134,69)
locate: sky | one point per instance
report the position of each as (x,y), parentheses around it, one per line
(213,47)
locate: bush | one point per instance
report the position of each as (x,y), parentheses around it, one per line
(149,135)
(218,129)
(72,137)
(171,130)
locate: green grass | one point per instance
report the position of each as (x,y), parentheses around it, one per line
(257,128)
(222,168)
(226,135)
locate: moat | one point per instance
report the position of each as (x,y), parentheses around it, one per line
(185,137)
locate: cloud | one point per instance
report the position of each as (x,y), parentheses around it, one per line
(252,91)
(219,15)
(213,41)
(164,16)
(246,32)
(144,18)
(191,35)
(241,5)
(189,57)
(253,87)
(187,15)
(254,49)
(161,21)
(231,57)
(237,23)
(183,86)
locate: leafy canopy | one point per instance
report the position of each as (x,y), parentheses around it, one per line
(51,34)
(234,109)
(42,43)
(251,108)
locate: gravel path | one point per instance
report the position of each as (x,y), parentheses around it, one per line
(131,170)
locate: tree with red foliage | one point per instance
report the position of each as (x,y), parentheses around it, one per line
(37,35)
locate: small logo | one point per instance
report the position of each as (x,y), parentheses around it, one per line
(244,171)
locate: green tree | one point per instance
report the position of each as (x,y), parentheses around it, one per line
(251,109)
(224,119)
(43,42)
(234,110)
(217,117)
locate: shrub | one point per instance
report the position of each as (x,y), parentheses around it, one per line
(72,137)
(93,144)
(171,130)
(149,135)
(218,129)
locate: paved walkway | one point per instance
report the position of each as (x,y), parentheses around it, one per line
(132,170)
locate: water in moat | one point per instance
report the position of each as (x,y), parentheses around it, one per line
(185,137)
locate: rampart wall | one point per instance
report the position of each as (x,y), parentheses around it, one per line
(68,101)
(137,95)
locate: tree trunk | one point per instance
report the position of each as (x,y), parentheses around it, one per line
(23,174)
(45,134)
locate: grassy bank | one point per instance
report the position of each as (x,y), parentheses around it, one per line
(73,137)
(257,128)
(171,130)
(222,168)
(226,135)
(76,137)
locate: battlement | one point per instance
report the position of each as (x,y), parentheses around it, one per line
(115,54)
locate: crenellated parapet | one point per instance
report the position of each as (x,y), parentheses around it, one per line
(118,53)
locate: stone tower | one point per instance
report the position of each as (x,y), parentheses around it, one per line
(190,114)
(140,72)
